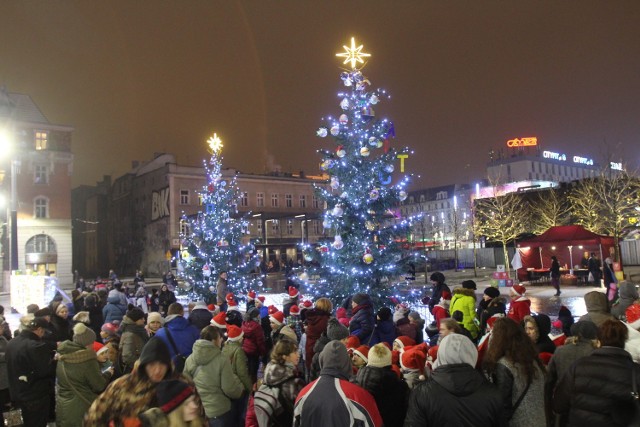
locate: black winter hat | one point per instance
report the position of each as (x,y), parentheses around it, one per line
(155,350)
(469,284)
(437,277)
(171,394)
(384,313)
(492,292)
(359,298)
(135,314)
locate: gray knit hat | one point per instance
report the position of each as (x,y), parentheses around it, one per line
(335,330)
(83,335)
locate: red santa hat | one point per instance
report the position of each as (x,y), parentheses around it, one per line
(229,297)
(261,298)
(277,318)
(353,342)
(251,295)
(446,295)
(413,360)
(404,341)
(518,290)
(218,320)
(307,304)
(211,307)
(234,333)
(294,310)
(232,305)
(293,292)
(363,352)
(272,309)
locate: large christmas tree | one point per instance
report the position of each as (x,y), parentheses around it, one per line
(215,240)
(363,195)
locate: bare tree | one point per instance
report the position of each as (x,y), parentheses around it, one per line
(549,208)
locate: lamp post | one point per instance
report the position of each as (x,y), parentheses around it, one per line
(6,148)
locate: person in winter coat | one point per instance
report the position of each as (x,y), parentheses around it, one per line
(165,299)
(596,390)
(213,376)
(232,350)
(416,320)
(154,323)
(293,300)
(609,278)
(581,343)
(316,320)
(335,331)
(113,311)
(60,322)
(565,316)
(555,275)
(253,343)
(439,286)
(200,316)
(390,392)
(464,300)
(456,394)
(495,306)
(384,331)
(332,400)
(512,364)
(221,291)
(597,308)
(520,305)
(628,294)
(538,328)
(80,380)
(133,338)
(96,319)
(281,372)
(403,326)
(294,322)
(183,334)
(363,319)
(441,310)
(32,371)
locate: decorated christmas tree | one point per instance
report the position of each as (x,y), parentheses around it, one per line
(363,195)
(216,239)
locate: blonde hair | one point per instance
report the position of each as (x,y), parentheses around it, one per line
(324,304)
(175,418)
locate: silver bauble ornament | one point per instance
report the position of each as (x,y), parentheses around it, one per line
(321,132)
(344,119)
(402,195)
(344,104)
(335,130)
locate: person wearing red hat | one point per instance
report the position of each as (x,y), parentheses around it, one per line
(177,405)
(316,321)
(219,322)
(520,305)
(360,357)
(251,300)
(233,350)
(403,341)
(412,363)
(293,321)
(293,300)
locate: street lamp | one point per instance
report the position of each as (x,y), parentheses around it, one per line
(6,145)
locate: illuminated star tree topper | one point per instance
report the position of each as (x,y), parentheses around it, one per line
(353,54)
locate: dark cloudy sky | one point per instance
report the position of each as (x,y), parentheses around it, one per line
(138,77)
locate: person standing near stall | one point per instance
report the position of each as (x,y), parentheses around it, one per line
(555,274)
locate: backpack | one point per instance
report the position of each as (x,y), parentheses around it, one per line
(270,404)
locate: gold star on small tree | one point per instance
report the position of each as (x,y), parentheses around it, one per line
(353,54)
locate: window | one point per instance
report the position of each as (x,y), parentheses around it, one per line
(40,243)
(303,201)
(288,200)
(184,228)
(244,198)
(315,202)
(41,174)
(259,227)
(260,200)
(41,139)
(274,200)
(289,227)
(275,226)
(184,197)
(318,228)
(422,198)
(41,207)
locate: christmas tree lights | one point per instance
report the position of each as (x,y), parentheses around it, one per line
(217,237)
(363,195)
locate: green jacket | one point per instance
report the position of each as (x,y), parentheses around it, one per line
(79,383)
(214,378)
(233,350)
(464,300)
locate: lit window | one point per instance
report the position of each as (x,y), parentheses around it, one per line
(244,199)
(288,200)
(275,226)
(41,140)
(41,207)
(41,174)
(289,226)
(184,228)
(303,201)
(274,200)
(184,197)
(260,200)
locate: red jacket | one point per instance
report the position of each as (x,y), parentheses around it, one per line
(439,313)
(254,342)
(317,321)
(519,307)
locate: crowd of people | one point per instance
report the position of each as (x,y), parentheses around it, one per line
(114,358)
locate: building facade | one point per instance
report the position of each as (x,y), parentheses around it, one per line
(43,165)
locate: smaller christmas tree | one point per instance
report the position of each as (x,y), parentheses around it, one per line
(216,239)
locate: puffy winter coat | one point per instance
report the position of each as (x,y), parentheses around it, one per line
(290,386)
(405,328)
(254,340)
(317,321)
(597,308)
(437,295)
(455,395)
(29,357)
(628,295)
(519,307)
(596,391)
(214,378)
(362,321)
(184,335)
(464,300)
(79,383)
(134,337)
(233,351)
(384,331)
(200,317)
(113,310)
(390,393)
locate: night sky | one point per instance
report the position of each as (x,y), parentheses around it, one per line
(138,77)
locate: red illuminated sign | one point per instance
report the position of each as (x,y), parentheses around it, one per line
(522,142)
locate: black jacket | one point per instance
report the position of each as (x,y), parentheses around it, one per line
(455,395)
(31,368)
(362,322)
(437,295)
(200,317)
(596,390)
(390,393)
